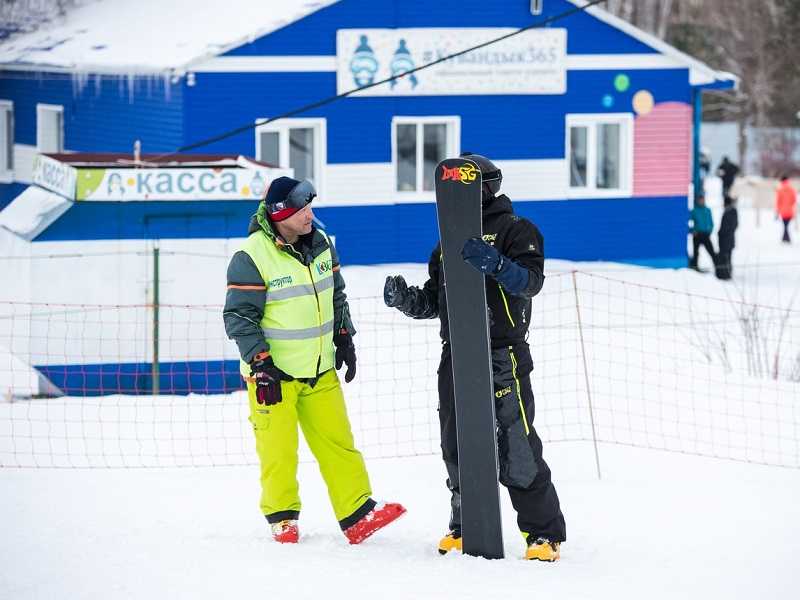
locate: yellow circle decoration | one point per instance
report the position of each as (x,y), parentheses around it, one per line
(643,102)
(245,191)
(131,181)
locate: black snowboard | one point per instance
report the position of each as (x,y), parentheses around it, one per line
(458,204)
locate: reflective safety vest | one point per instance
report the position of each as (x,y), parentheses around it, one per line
(298,314)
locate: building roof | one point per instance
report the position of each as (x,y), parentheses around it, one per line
(121,160)
(147,36)
(167,36)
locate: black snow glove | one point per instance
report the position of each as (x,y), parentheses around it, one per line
(267,379)
(395,291)
(345,354)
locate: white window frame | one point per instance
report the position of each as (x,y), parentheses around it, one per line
(453,123)
(7,139)
(319,129)
(40,110)
(591,121)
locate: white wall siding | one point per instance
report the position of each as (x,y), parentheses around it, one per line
(534,179)
(23,162)
(373,183)
(356,184)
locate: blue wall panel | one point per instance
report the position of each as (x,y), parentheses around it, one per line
(197,377)
(632,230)
(102,114)
(151,220)
(315,35)
(9,191)
(640,230)
(359,129)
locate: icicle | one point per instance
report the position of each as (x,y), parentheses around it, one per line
(131,87)
(167,79)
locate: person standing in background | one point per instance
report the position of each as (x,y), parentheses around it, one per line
(702,226)
(727,239)
(727,171)
(785,205)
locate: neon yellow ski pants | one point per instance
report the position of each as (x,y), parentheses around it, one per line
(322,415)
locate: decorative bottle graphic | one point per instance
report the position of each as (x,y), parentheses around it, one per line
(363,65)
(257,185)
(401,63)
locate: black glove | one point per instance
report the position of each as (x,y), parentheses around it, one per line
(345,354)
(267,379)
(395,291)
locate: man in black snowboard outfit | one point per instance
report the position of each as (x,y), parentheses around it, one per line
(511,254)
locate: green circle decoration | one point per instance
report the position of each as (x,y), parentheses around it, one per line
(622,82)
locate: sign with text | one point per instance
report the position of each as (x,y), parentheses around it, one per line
(533,62)
(54,176)
(175,184)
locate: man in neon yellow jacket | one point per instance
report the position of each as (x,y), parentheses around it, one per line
(287,311)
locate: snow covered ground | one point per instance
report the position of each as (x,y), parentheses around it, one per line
(657,525)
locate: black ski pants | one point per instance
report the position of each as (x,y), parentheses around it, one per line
(523,470)
(704,240)
(724,262)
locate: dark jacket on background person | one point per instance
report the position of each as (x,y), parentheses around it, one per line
(727,240)
(727,171)
(727,229)
(509,315)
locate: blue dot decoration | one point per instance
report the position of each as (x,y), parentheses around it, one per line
(608,101)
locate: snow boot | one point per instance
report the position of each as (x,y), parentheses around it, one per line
(452,541)
(285,532)
(378,518)
(543,549)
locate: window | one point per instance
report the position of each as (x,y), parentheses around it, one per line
(599,154)
(418,145)
(6,139)
(49,128)
(294,143)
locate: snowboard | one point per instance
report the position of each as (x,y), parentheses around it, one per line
(458,207)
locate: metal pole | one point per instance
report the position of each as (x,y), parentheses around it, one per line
(697,182)
(155,370)
(586,374)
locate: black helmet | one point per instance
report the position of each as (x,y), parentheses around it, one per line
(492,176)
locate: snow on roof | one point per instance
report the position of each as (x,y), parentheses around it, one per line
(148,36)
(33,211)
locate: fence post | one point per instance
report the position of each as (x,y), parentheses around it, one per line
(155,368)
(586,372)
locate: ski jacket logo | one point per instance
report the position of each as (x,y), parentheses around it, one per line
(280,281)
(324,266)
(466,174)
(504,392)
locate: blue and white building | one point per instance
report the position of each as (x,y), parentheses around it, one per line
(593,122)
(591,119)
